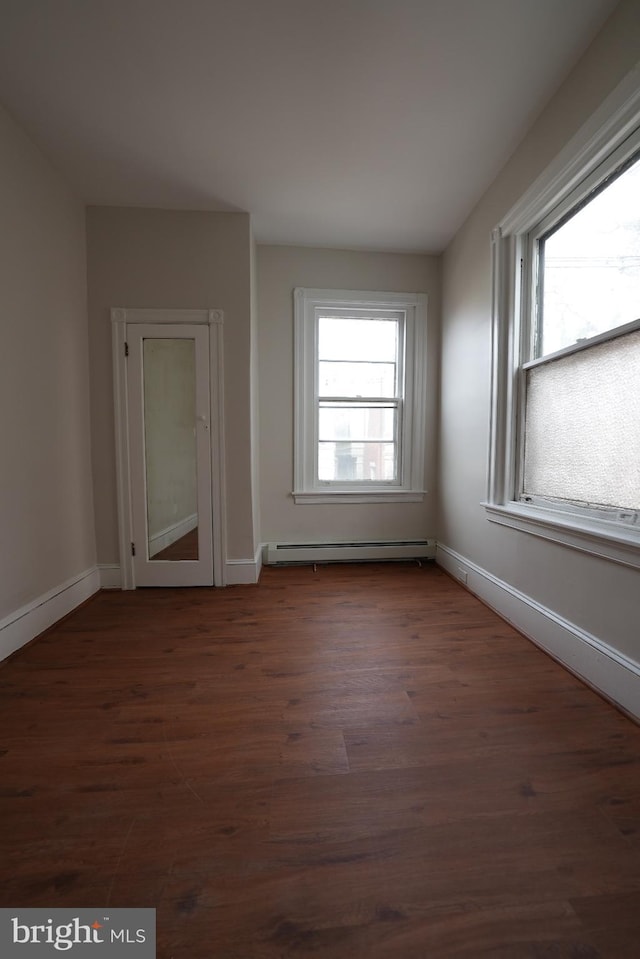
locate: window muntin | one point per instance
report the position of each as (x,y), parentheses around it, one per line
(360,395)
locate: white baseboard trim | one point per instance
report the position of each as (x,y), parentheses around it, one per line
(238,572)
(110,576)
(171,534)
(24,624)
(244,572)
(611,673)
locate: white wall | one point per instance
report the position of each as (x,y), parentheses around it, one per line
(46,506)
(255,396)
(596,596)
(280,270)
(172,259)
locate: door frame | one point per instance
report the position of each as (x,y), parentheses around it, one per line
(121,319)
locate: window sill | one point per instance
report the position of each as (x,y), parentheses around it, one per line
(316,497)
(596,537)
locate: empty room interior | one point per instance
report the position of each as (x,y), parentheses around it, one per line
(320,477)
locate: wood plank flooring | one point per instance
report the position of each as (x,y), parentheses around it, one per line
(361,761)
(184,548)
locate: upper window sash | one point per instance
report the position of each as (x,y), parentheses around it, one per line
(396,317)
(534,241)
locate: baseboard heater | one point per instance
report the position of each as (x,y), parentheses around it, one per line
(354,552)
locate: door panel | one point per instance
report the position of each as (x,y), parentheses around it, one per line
(170,454)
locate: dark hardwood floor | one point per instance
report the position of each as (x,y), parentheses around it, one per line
(358,762)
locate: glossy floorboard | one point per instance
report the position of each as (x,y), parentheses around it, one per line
(184,548)
(361,761)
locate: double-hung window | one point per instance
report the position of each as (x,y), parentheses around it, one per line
(359,411)
(565,447)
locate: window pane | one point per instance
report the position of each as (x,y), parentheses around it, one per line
(356,379)
(357,339)
(591,267)
(356,462)
(356,422)
(582,434)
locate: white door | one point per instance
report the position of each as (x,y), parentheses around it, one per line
(170,454)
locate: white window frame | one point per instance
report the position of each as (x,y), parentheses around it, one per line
(614,128)
(409,486)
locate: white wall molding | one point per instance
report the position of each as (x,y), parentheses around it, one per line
(218,447)
(611,673)
(609,126)
(110,576)
(24,624)
(244,571)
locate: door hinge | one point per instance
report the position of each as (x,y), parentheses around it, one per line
(133,549)
(126,349)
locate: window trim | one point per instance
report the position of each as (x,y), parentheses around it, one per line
(613,129)
(411,411)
